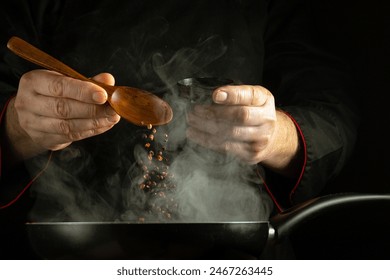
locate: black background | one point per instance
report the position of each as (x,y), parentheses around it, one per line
(360,31)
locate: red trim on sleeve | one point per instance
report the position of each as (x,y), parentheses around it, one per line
(303,141)
(1,121)
(1,158)
(280,208)
(28,185)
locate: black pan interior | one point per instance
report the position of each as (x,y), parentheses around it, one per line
(120,240)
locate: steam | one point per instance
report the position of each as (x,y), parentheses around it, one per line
(212,191)
(188,61)
(208,186)
(61,196)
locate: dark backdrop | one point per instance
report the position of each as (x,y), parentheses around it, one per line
(360,31)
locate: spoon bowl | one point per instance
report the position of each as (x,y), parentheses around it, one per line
(135,105)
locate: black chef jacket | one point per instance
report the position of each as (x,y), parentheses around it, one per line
(152,45)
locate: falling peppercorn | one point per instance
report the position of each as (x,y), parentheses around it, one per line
(157,184)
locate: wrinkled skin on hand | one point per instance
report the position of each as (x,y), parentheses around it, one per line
(243,121)
(50,111)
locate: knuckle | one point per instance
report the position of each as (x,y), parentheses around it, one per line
(56,87)
(256,147)
(24,123)
(254,153)
(260,96)
(226,147)
(92,111)
(240,96)
(75,136)
(30,77)
(260,144)
(26,78)
(19,104)
(64,127)
(244,114)
(268,96)
(257,96)
(81,91)
(91,132)
(61,108)
(236,132)
(95,124)
(254,96)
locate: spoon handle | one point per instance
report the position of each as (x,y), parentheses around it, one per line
(135,105)
(39,57)
(35,55)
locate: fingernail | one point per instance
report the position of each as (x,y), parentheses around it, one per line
(99,97)
(221,96)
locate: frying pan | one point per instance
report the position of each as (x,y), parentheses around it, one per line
(123,240)
(334,226)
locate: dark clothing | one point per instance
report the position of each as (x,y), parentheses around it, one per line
(152,45)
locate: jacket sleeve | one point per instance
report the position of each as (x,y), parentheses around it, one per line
(314,87)
(16,180)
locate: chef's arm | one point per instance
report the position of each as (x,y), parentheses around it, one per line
(16,145)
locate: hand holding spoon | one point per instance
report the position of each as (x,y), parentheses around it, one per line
(135,105)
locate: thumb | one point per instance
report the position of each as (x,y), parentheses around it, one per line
(245,95)
(105,78)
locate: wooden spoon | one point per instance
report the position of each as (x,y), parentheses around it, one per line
(135,105)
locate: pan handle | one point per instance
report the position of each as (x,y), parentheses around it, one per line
(284,225)
(286,222)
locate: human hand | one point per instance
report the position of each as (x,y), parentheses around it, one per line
(50,111)
(243,121)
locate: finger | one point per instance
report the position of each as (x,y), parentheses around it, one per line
(53,146)
(53,132)
(65,127)
(228,131)
(50,83)
(240,115)
(65,108)
(244,151)
(211,141)
(249,152)
(242,95)
(105,78)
